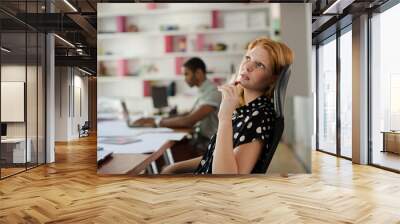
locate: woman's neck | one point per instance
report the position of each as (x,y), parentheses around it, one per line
(250,95)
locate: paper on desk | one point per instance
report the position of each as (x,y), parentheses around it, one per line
(150,142)
(173,136)
(102,154)
(108,116)
(120,128)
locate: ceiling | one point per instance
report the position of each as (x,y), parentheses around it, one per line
(77,23)
(78,27)
(331,15)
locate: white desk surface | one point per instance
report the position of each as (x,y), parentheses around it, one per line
(14,140)
(151,139)
(120,128)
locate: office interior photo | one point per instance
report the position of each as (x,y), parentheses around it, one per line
(149,80)
(58,60)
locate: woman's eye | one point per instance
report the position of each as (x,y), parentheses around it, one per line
(259,65)
(247,58)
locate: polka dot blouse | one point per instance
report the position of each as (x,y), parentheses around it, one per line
(250,123)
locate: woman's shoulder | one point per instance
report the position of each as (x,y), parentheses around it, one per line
(265,106)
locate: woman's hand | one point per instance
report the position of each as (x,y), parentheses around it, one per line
(230,101)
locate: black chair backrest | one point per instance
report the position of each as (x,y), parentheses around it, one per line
(86,125)
(280,91)
(279,124)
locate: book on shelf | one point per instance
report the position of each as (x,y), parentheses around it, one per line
(200,42)
(169,43)
(178,65)
(215,19)
(147,88)
(121,23)
(122,67)
(179,44)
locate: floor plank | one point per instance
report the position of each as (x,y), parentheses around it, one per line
(69,191)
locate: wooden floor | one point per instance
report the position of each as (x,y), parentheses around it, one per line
(70,191)
(387,159)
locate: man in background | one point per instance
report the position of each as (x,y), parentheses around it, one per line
(203,118)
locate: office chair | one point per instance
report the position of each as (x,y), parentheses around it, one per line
(279,124)
(84,129)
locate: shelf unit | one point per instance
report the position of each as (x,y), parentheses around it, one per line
(169,77)
(200,28)
(130,10)
(172,55)
(121,35)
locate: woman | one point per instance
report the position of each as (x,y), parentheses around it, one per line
(246,115)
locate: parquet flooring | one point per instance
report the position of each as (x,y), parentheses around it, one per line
(69,191)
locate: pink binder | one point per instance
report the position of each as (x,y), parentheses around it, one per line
(121,24)
(169,44)
(178,65)
(200,42)
(214,19)
(122,67)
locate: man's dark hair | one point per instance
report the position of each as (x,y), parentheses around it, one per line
(195,63)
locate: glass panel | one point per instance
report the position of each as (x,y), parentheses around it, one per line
(385,84)
(32,87)
(327,97)
(314,90)
(41,99)
(13,87)
(346,94)
(32,71)
(23,82)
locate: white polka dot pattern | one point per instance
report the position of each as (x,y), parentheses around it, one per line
(251,122)
(249,125)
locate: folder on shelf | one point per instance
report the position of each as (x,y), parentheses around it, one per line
(121,24)
(200,42)
(169,44)
(178,65)
(146,88)
(214,19)
(122,67)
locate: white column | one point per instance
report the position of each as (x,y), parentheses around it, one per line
(360,90)
(50,99)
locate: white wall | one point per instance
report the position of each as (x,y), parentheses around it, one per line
(69,85)
(296,33)
(33,125)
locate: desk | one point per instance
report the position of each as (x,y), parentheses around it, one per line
(131,164)
(134,158)
(391,141)
(13,150)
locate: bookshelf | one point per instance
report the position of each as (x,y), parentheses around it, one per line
(121,35)
(146,43)
(111,10)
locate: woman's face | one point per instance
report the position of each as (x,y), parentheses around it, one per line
(255,70)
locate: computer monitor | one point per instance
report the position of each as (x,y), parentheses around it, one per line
(159,94)
(3,129)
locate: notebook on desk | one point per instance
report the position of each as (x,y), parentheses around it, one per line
(103,154)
